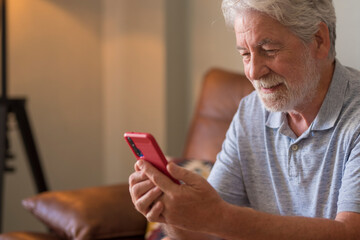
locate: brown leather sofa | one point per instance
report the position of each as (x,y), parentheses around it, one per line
(107,212)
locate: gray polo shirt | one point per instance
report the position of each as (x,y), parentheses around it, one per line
(263,165)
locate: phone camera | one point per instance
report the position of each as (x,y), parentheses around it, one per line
(133,146)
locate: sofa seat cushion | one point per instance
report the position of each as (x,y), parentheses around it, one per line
(91,213)
(28,236)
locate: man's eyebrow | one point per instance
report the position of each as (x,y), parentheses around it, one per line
(268,41)
(261,43)
(240,48)
(264,41)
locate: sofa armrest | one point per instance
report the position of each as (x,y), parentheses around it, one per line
(90,213)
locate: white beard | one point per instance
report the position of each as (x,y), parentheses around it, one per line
(288,96)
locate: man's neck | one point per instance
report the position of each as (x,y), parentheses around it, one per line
(301,117)
(299,123)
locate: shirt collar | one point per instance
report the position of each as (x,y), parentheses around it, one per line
(331,107)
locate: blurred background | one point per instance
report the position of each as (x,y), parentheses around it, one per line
(92,70)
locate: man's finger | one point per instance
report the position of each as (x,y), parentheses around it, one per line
(154,215)
(145,202)
(141,188)
(136,167)
(137,177)
(183,174)
(157,177)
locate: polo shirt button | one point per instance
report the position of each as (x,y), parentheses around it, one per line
(294,147)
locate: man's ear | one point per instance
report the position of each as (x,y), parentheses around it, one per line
(322,41)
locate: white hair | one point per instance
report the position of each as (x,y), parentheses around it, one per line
(302,17)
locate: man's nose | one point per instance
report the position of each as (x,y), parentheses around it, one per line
(257,68)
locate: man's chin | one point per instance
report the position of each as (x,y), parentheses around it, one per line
(279,105)
(274,108)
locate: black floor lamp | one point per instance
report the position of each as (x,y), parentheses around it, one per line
(17,107)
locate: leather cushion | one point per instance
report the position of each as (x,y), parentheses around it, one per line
(27,236)
(90,213)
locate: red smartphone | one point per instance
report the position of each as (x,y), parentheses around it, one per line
(144,146)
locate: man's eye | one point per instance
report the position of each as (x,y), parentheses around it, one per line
(271,52)
(245,54)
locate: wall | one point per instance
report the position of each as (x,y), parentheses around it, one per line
(212,44)
(348,35)
(134,79)
(178,85)
(55,62)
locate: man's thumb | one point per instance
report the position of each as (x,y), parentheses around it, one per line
(181,173)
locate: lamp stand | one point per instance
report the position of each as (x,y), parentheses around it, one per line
(17,107)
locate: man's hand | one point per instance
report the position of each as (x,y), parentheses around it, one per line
(189,206)
(143,192)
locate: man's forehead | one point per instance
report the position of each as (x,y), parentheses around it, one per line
(249,19)
(260,29)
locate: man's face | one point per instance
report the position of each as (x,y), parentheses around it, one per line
(277,62)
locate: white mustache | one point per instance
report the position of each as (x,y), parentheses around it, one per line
(269,82)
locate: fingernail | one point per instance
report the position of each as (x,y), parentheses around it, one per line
(140,163)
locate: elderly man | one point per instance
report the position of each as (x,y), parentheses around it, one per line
(290,163)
